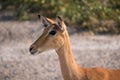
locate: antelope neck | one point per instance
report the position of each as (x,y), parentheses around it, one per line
(68,65)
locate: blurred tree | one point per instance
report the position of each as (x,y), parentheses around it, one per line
(87,13)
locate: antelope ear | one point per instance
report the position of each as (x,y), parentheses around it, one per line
(44,21)
(59,23)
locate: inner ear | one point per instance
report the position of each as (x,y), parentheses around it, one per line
(44,21)
(59,22)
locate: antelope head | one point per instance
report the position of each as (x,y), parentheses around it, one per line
(52,36)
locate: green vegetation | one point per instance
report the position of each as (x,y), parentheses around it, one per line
(94,15)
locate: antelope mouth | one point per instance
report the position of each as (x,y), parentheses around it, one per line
(33,52)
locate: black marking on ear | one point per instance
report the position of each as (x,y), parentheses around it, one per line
(45,25)
(59,23)
(39,16)
(58,28)
(59,18)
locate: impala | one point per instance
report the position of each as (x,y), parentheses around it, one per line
(55,36)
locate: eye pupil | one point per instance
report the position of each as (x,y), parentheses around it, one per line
(52,32)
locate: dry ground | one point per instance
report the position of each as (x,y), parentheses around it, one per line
(16,63)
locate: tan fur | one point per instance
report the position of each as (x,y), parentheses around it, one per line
(70,70)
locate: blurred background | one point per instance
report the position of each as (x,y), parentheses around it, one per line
(94,23)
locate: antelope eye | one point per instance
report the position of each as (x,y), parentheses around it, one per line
(53,32)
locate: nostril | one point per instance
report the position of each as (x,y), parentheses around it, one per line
(32,50)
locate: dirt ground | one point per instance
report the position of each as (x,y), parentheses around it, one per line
(16,63)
